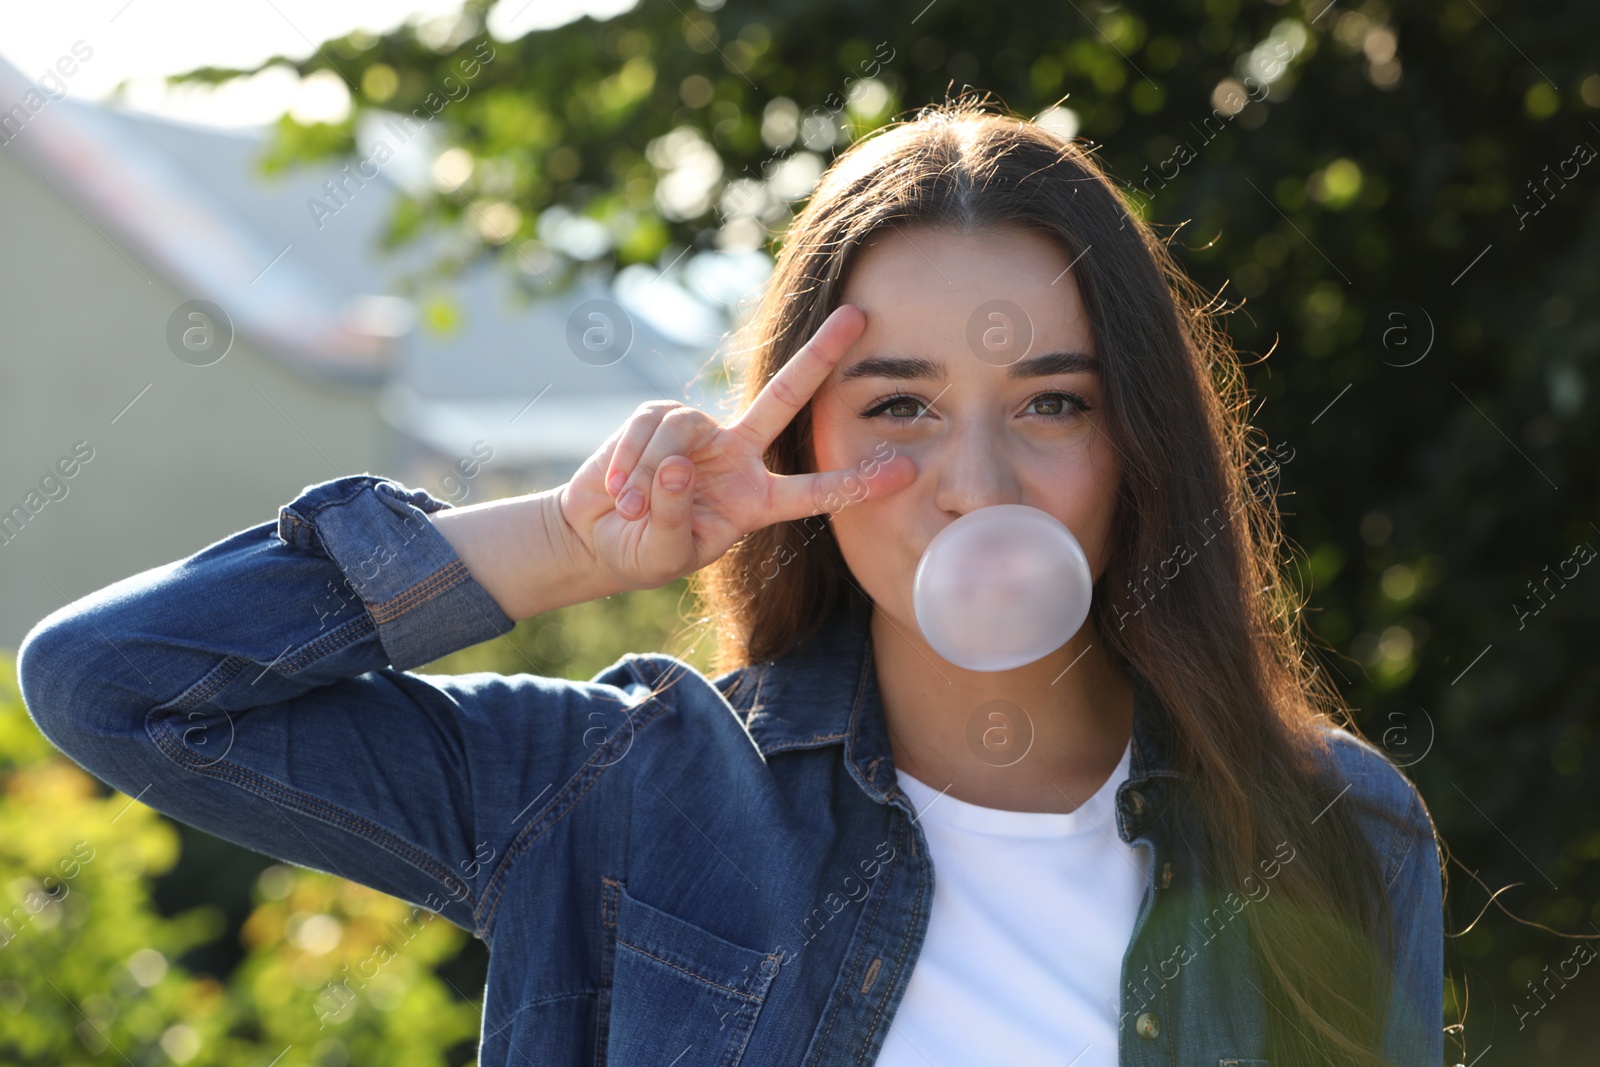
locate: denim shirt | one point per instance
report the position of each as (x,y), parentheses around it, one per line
(666,868)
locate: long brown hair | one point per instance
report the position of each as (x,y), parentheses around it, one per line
(1221,644)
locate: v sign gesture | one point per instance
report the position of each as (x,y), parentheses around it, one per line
(672,489)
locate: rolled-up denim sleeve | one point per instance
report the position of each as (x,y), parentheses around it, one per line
(259,690)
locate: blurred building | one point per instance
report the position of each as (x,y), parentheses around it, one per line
(125,442)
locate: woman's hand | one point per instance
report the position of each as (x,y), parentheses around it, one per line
(672,490)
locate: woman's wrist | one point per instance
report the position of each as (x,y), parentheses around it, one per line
(524,553)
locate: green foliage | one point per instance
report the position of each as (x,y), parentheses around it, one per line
(90,971)
(297,141)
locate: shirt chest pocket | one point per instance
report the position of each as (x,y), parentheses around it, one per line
(673,991)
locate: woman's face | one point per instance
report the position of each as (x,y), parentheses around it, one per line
(976,357)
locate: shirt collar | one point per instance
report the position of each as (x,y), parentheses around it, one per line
(825,692)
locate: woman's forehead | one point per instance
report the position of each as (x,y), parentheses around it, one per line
(933,295)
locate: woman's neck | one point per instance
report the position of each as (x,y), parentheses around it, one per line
(1042,737)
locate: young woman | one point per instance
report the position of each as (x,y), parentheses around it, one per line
(1153,846)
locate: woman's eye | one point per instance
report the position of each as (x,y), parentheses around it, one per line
(1061,405)
(898,407)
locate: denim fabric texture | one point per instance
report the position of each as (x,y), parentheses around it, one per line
(666,868)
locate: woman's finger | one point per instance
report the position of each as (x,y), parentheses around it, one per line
(792,387)
(671,499)
(796,496)
(600,460)
(682,432)
(635,436)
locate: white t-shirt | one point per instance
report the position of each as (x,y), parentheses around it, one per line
(1032,914)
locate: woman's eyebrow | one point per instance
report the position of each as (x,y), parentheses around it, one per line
(912,368)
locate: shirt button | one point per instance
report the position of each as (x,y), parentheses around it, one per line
(1136,801)
(1166,875)
(1148,1024)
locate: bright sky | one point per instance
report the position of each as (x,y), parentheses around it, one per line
(145,40)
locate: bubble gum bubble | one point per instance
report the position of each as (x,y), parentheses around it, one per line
(1001,587)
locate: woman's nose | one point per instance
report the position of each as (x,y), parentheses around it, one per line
(974,469)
